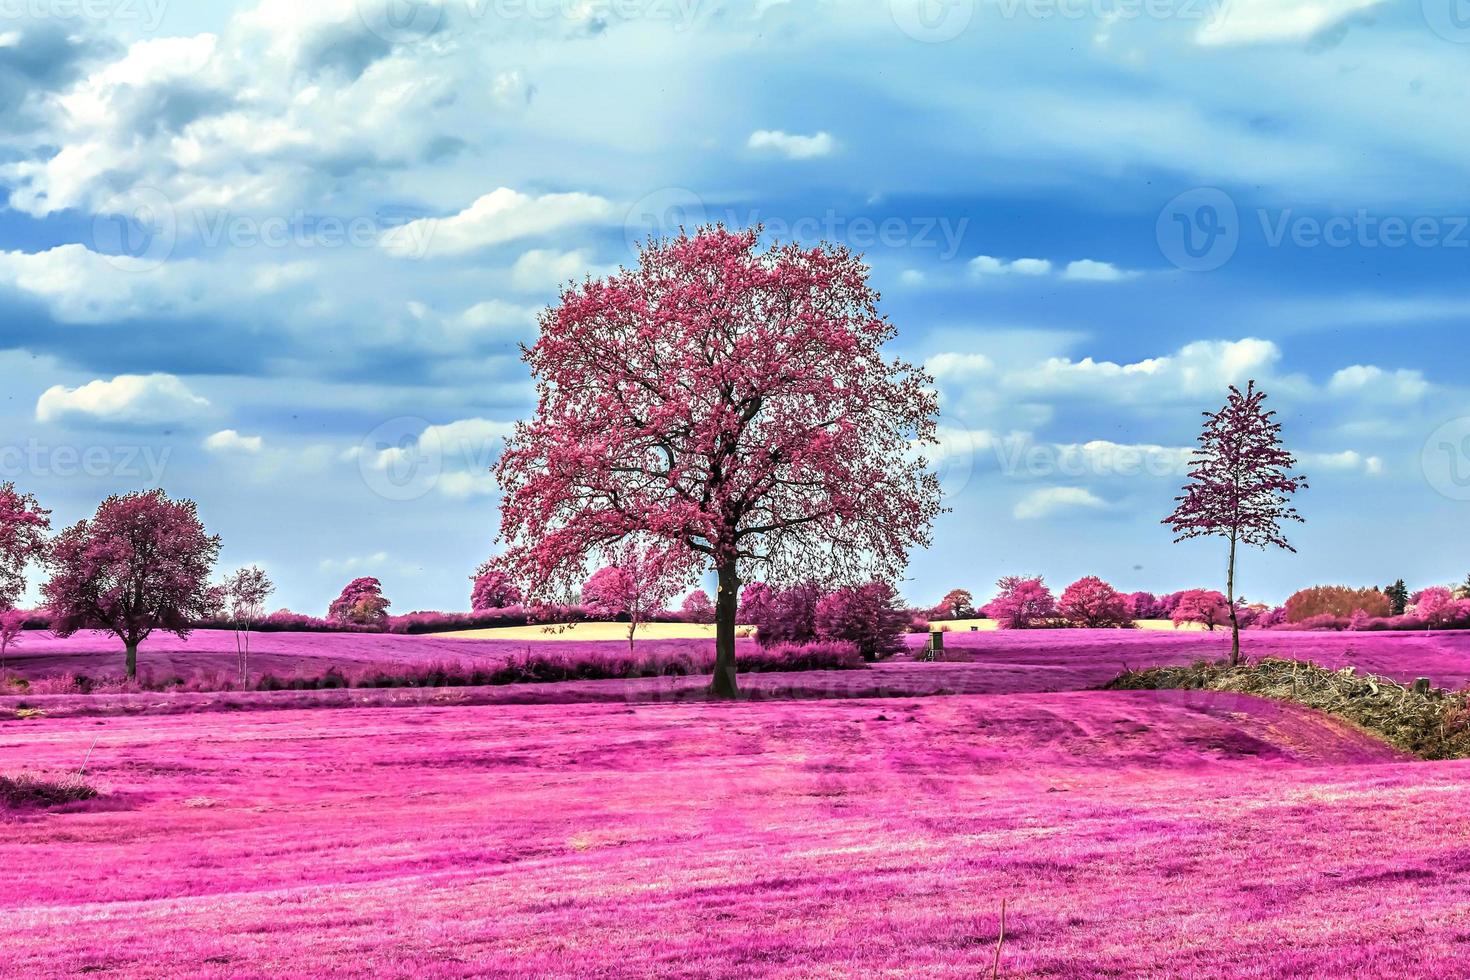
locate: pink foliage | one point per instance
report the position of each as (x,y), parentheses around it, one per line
(786,615)
(361,603)
(12,622)
(1093,603)
(1146,605)
(141,564)
(697,608)
(869,616)
(638,586)
(493,589)
(1433,605)
(1205,606)
(733,405)
(23,527)
(1023,603)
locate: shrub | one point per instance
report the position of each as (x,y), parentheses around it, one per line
(1023,603)
(1090,602)
(868,616)
(1335,600)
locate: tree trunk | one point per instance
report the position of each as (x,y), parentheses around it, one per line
(132,661)
(1230,599)
(723,684)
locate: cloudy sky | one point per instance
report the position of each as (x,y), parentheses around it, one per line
(278,256)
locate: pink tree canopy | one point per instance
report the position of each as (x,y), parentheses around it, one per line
(23,527)
(1240,486)
(697,607)
(141,564)
(733,406)
(1023,603)
(493,589)
(361,603)
(12,622)
(639,585)
(869,616)
(1205,606)
(1090,602)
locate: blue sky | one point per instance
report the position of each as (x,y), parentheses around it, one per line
(278,257)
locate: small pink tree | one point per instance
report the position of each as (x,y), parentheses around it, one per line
(23,527)
(361,603)
(141,564)
(1023,603)
(493,589)
(869,616)
(697,608)
(735,406)
(1204,606)
(640,584)
(245,593)
(786,615)
(1092,603)
(956,604)
(1240,486)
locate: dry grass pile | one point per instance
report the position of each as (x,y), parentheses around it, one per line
(1429,722)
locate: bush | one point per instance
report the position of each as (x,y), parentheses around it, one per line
(783,615)
(1335,600)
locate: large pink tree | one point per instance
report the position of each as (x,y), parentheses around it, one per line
(1240,486)
(23,527)
(141,564)
(731,405)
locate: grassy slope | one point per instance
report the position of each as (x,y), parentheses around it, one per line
(1172,832)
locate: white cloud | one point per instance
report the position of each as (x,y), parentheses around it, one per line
(373,562)
(494,315)
(793,146)
(127,398)
(1370,381)
(1079,270)
(1049,500)
(503,215)
(989,265)
(958,366)
(1261,21)
(545,268)
(230,441)
(460,454)
(1091,270)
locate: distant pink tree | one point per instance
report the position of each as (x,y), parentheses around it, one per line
(1204,606)
(786,615)
(697,608)
(1023,603)
(23,527)
(1090,602)
(141,564)
(956,604)
(244,595)
(12,621)
(1146,605)
(755,602)
(1240,486)
(493,589)
(731,403)
(361,603)
(870,616)
(637,586)
(1431,606)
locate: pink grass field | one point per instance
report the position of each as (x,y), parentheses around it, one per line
(1173,833)
(629,828)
